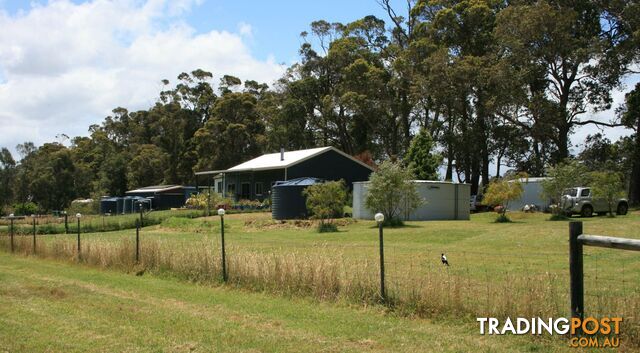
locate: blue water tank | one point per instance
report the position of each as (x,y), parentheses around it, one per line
(287,200)
(108,205)
(119,205)
(128,203)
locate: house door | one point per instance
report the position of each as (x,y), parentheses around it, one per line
(245,191)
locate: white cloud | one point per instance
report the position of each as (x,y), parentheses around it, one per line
(64,66)
(245,29)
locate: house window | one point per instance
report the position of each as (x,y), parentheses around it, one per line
(231,189)
(584,192)
(258,189)
(219,187)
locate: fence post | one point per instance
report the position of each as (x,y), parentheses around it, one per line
(224,262)
(79,254)
(576,270)
(137,241)
(34,233)
(11,220)
(379,217)
(383,293)
(66,223)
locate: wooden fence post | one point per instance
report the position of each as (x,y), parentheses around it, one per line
(11,233)
(66,223)
(137,241)
(34,233)
(79,253)
(576,270)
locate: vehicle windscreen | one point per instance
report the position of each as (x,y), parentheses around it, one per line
(570,192)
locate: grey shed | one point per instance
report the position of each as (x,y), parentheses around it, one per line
(443,200)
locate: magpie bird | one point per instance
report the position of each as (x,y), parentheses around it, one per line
(444,260)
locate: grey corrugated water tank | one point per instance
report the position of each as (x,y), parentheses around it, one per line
(442,201)
(287,201)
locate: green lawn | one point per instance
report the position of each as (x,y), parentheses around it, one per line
(48,306)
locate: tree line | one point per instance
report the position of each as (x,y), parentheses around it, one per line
(459,84)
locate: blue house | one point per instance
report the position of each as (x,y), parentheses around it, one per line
(253,179)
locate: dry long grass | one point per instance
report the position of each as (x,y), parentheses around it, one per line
(331,275)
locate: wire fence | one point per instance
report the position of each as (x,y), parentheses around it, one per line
(46,224)
(476,283)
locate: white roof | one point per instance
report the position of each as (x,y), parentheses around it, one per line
(274,160)
(533,179)
(155,188)
(417,181)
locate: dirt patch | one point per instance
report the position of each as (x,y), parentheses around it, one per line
(269,224)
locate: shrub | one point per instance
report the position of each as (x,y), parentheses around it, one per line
(199,201)
(608,187)
(326,201)
(502,218)
(501,191)
(392,192)
(25,209)
(249,204)
(564,175)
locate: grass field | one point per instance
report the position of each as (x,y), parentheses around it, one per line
(48,306)
(515,269)
(92,223)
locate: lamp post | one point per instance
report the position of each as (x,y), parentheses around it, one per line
(141,210)
(11,217)
(379,217)
(78,216)
(33,217)
(224,262)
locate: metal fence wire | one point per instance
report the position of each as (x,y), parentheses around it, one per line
(496,284)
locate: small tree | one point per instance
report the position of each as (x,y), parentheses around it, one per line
(325,202)
(564,175)
(25,208)
(420,158)
(392,191)
(606,186)
(501,191)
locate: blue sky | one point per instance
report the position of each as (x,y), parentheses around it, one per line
(276,25)
(65,64)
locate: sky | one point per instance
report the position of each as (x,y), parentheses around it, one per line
(64,65)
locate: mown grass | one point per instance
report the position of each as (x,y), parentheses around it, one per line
(512,269)
(48,306)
